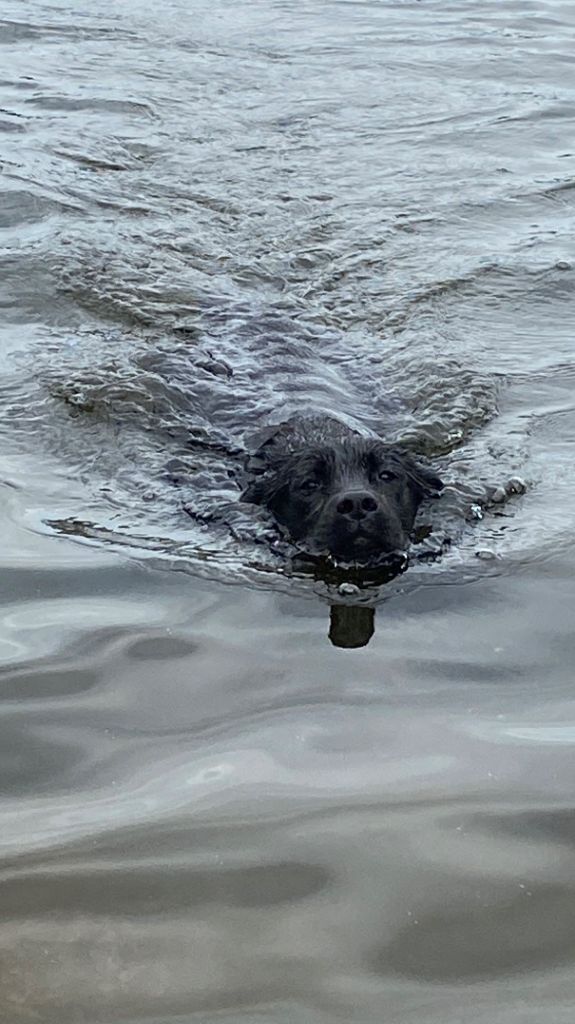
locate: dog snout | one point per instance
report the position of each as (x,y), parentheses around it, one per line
(357,505)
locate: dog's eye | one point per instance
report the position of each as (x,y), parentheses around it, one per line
(309,486)
(387,475)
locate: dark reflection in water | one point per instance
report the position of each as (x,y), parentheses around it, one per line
(165,889)
(35,758)
(351,625)
(495,935)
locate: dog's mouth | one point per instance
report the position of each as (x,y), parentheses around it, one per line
(362,548)
(358,540)
(356,543)
(361,572)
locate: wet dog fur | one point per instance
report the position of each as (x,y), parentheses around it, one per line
(336,492)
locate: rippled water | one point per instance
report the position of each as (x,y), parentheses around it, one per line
(215,216)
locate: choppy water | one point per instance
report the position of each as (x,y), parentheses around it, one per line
(213,216)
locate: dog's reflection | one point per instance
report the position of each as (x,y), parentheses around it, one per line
(351,625)
(352,619)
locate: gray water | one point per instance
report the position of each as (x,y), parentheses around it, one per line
(212,217)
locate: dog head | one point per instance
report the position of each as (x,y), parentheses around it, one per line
(356,499)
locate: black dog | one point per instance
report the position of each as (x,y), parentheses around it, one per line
(339,493)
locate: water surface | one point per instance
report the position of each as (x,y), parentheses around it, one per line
(214,216)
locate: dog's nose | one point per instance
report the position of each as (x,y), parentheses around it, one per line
(357,505)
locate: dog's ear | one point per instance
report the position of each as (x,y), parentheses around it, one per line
(266,483)
(266,471)
(424,477)
(256,492)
